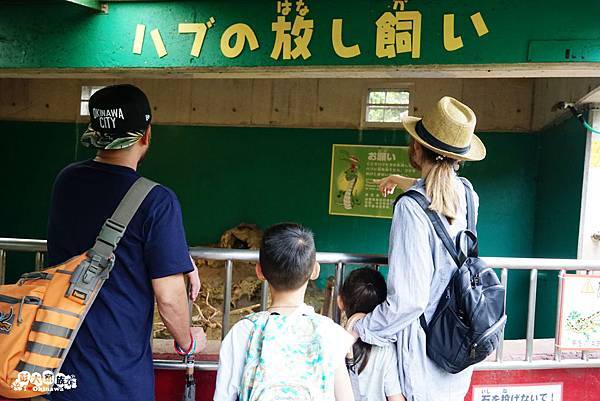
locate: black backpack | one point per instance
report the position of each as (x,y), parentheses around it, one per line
(468,322)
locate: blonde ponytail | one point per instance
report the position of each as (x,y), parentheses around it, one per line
(441,189)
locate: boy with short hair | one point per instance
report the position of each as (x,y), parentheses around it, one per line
(288,352)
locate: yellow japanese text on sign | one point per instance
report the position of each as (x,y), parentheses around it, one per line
(398,32)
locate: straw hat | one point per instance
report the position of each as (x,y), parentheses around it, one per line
(448,129)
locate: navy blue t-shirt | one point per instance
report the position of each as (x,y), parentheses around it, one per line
(111,356)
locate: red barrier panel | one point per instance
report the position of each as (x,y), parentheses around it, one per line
(578,384)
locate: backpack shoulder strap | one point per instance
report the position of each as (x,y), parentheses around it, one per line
(436,221)
(440,230)
(113,228)
(257,316)
(88,277)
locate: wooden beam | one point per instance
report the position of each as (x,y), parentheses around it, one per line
(525,70)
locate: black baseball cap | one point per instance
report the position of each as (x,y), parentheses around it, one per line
(119,117)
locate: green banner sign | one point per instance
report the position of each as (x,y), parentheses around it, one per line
(241,33)
(353,169)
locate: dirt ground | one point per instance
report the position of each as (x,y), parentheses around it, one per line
(246,291)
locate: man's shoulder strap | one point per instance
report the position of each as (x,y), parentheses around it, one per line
(113,228)
(88,278)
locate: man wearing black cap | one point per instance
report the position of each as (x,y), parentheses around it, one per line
(111,356)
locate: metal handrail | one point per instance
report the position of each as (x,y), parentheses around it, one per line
(245,255)
(169,364)
(23,244)
(248,255)
(340,260)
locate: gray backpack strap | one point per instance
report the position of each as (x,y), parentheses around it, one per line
(113,229)
(94,270)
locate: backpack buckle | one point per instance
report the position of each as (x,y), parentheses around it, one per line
(111,233)
(86,277)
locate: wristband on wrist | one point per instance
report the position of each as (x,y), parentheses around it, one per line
(187,352)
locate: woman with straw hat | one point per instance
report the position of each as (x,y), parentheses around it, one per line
(420,268)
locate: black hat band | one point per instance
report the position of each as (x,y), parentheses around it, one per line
(436,143)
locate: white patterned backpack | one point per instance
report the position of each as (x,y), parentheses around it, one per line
(286,359)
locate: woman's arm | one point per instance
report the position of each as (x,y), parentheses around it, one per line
(391,375)
(409,276)
(387,185)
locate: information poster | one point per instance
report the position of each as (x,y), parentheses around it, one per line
(519,392)
(595,153)
(353,169)
(580,313)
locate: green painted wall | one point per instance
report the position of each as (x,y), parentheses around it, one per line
(34,35)
(558,205)
(264,175)
(562,157)
(225,175)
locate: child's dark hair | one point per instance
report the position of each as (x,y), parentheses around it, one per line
(287,255)
(362,291)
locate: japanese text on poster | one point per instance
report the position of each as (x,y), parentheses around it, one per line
(353,169)
(519,392)
(580,313)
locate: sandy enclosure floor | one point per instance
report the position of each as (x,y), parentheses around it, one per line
(245,299)
(246,289)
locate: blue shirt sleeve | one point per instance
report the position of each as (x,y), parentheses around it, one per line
(165,249)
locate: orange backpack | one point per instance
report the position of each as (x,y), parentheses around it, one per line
(41,314)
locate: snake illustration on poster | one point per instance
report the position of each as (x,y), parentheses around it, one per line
(579,313)
(353,169)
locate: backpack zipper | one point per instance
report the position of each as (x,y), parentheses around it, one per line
(447,295)
(486,334)
(466,294)
(480,302)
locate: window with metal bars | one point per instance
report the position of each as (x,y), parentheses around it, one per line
(86,93)
(386,106)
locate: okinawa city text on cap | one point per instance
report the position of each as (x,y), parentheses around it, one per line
(119,117)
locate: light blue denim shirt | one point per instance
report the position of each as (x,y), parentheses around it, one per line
(420,268)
